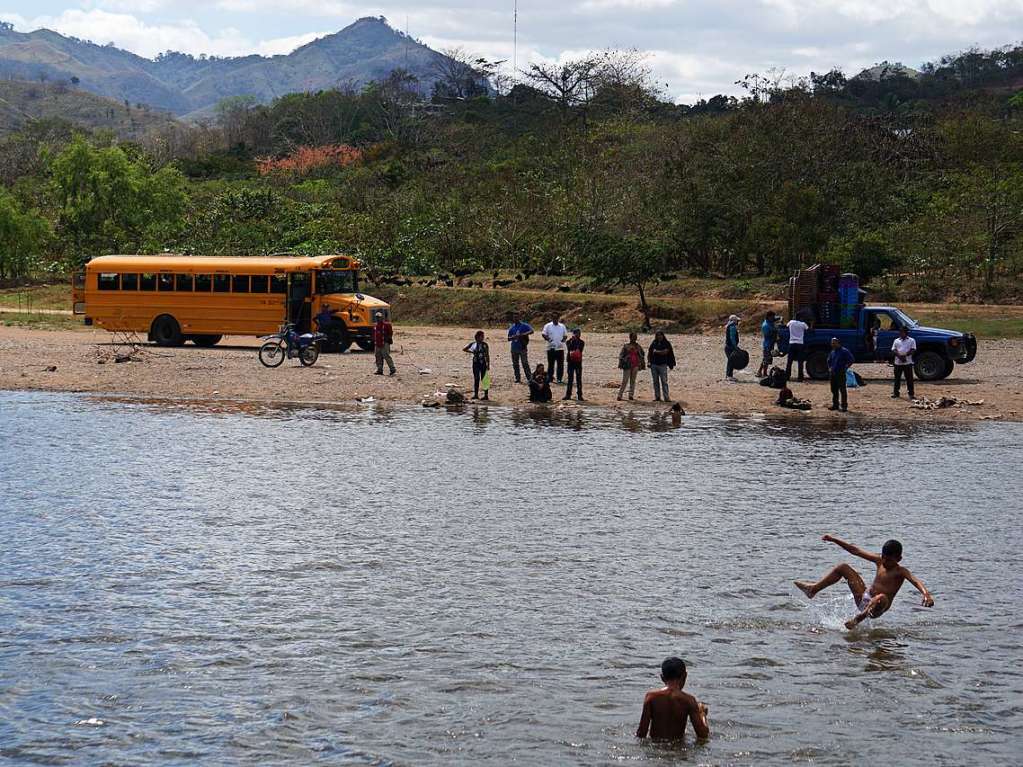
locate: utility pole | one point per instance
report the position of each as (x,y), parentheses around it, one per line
(515,44)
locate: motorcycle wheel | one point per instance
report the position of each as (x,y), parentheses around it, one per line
(271,354)
(309,355)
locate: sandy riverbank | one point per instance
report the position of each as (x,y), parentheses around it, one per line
(232,371)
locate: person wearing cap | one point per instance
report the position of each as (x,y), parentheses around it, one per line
(575,345)
(661,358)
(839,362)
(383,337)
(731,345)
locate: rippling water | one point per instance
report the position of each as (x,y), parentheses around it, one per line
(246,584)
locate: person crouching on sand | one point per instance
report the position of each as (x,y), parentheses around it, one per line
(666,711)
(539,386)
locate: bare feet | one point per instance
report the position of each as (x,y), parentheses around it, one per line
(806,587)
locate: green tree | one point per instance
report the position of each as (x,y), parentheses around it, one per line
(110,202)
(22,238)
(628,259)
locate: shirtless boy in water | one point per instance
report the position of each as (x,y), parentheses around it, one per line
(666,710)
(875,601)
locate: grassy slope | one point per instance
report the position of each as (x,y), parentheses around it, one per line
(23,102)
(695,305)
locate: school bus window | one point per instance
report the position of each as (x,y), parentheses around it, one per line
(165,282)
(109,282)
(147,281)
(221,283)
(203,283)
(260,283)
(240,283)
(279,283)
(129,282)
(183,282)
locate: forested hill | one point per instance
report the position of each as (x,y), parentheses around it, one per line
(363,52)
(24,103)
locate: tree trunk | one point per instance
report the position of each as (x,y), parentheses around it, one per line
(644,307)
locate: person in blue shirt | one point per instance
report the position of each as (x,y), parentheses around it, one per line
(518,335)
(731,345)
(838,363)
(769,330)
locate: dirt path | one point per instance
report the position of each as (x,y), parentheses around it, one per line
(231,371)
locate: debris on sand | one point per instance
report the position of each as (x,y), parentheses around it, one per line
(455,397)
(51,368)
(925,403)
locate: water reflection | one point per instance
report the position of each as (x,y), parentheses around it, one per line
(806,431)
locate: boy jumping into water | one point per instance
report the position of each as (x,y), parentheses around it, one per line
(875,601)
(666,710)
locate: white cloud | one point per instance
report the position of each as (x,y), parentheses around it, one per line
(133,34)
(699,47)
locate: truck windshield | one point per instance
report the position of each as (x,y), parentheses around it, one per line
(337,281)
(903,318)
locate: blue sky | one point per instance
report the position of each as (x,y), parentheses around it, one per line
(695,47)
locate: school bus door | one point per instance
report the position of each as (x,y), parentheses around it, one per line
(299,300)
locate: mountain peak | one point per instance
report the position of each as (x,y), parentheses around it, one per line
(366,50)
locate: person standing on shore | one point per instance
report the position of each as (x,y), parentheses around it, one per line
(731,345)
(797,336)
(661,358)
(480,351)
(769,331)
(839,362)
(555,332)
(383,337)
(518,335)
(903,349)
(630,362)
(575,346)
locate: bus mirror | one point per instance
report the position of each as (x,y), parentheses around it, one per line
(360,297)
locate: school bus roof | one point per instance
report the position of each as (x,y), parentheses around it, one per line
(214,264)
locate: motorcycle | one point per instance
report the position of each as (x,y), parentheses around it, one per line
(288,344)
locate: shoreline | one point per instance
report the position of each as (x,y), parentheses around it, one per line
(81,361)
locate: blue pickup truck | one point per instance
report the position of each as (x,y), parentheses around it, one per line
(938,351)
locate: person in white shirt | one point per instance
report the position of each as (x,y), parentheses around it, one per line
(555,333)
(902,350)
(797,335)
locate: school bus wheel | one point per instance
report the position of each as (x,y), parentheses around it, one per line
(166,331)
(206,341)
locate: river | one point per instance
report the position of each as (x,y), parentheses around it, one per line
(251,584)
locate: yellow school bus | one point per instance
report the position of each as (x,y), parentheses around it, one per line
(175,298)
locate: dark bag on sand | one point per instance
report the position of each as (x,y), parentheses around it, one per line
(739,359)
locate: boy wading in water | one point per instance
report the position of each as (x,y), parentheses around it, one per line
(665,711)
(875,601)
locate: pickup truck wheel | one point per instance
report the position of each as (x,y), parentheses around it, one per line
(930,366)
(817,365)
(950,365)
